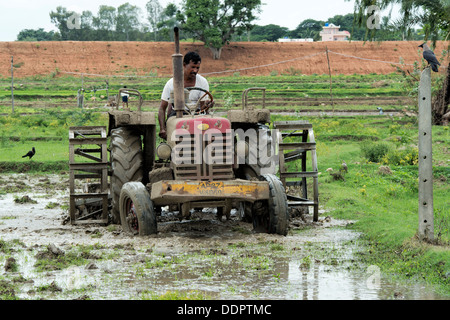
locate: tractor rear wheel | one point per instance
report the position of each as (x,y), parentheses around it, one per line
(137,213)
(274,217)
(126,163)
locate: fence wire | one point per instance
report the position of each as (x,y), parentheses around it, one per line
(250,68)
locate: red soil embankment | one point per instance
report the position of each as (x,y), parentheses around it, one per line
(247,58)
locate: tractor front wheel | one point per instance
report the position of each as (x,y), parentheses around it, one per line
(137,213)
(126,163)
(272,216)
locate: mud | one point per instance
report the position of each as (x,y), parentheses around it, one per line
(44,257)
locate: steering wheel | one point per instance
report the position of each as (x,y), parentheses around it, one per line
(207,103)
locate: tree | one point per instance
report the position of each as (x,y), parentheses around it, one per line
(269,32)
(86,26)
(154,12)
(72,25)
(308,28)
(127,19)
(346,23)
(36,35)
(105,22)
(59,19)
(214,22)
(169,19)
(434,16)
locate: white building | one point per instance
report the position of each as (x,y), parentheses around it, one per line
(295,40)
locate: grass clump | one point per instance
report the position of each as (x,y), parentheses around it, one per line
(375,152)
(175,295)
(7,247)
(7,290)
(56,259)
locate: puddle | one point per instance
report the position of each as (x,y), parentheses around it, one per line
(220,260)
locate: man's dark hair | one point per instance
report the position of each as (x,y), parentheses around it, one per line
(192,56)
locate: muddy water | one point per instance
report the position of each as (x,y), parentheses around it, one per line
(216,259)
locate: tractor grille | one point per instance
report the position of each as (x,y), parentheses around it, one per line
(203,156)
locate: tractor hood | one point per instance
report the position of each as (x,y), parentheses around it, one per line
(200,124)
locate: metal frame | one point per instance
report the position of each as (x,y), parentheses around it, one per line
(297,150)
(91,164)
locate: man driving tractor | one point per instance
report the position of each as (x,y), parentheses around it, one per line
(191,67)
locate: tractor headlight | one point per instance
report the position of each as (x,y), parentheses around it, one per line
(163,151)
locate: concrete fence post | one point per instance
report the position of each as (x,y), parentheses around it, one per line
(426,215)
(12,84)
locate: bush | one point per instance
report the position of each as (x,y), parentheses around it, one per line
(386,154)
(374,152)
(399,157)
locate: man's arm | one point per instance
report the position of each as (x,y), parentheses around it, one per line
(165,96)
(203,83)
(162,119)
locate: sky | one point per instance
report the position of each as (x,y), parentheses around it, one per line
(31,14)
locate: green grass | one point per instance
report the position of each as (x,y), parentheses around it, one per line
(175,295)
(45,151)
(383,206)
(47,132)
(44,90)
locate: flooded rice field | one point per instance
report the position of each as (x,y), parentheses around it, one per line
(43,256)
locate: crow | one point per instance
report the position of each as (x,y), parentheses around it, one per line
(30,153)
(430,57)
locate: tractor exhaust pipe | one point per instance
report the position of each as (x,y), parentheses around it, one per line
(178,77)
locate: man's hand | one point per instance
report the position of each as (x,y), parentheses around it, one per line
(163,134)
(206,106)
(209,104)
(162,119)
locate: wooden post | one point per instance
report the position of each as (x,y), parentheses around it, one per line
(329,71)
(426,217)
(12,84)
(82,91)
(80,98)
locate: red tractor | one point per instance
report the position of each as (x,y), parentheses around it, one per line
(207,161)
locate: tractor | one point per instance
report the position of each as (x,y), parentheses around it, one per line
(208,161)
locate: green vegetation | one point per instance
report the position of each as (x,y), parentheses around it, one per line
(47,261)
(57,259)
(382,197)
(175,295)
(125,23)
(7,247)
(379,192)
(7,290)
(289,84)
(45,107)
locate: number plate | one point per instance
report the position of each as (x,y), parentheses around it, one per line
(211,188)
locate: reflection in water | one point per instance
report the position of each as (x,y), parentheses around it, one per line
(317,265)
(319,283)
(324,282)
(225,277)
(313,264)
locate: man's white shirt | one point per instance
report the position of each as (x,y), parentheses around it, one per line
(194,95)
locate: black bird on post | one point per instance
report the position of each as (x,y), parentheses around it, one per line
(429,56)
(30,153)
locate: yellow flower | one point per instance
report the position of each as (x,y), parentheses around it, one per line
(363,190)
